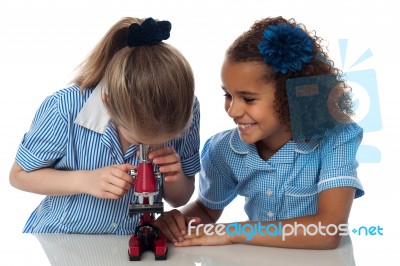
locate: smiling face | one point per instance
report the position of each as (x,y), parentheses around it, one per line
(249,101)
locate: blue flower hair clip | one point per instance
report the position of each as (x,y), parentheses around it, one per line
(150,32)
(286,48)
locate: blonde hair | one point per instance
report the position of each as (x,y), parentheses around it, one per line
(150,88)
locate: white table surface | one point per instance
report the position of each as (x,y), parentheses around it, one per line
(64,249)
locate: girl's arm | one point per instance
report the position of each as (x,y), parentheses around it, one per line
(110,182)
(178,193)
(323,231)
(175,225)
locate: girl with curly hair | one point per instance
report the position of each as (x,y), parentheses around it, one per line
(293,152)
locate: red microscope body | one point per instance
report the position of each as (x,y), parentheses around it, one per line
(146,236)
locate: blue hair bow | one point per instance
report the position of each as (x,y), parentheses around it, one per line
(150,32)
(286,48)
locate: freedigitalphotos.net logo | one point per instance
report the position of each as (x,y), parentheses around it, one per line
(258,228)
(281,230)
(317,103)
(374,230)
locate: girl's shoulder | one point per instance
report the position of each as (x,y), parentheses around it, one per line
(349,134)
(344,132)
(222,138)
(71,94)
(67,101)
(222,142)
(70,99)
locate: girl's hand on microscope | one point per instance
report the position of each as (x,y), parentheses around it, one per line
(110,182)
(169,163)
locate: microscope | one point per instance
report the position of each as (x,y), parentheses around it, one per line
(146,236)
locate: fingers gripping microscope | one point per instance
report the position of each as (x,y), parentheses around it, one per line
(146,236)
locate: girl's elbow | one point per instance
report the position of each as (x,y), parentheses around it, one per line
(15,175)
(330,242)
(178,202)
(13,179)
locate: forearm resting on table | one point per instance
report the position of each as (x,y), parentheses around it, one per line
(307,232)
(47,181)
(320,231)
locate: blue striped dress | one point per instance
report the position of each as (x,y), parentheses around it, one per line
(56,140)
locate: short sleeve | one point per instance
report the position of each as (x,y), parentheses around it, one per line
(339,164)
(216,189)
(44,143)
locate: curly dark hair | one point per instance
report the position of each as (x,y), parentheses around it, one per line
(244,49)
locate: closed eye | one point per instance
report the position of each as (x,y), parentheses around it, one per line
(227,95)
(248,100)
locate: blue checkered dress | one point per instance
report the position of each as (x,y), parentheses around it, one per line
(286,185)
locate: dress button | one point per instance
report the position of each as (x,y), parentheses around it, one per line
(269,192)
(270,214)
(114,225)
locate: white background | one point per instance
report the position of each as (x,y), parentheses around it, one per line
(42,41)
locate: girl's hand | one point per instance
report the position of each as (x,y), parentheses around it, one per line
(206,235)
(111,182)
(173,225)
(177,187)
(169,163)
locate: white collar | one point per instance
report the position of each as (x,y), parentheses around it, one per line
(93,114)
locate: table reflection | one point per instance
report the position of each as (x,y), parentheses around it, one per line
(74,249)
